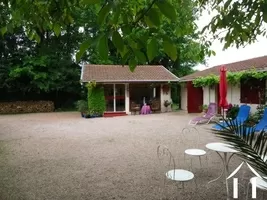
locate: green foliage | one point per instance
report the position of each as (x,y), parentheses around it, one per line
(91,84)
(241,21)
(204,107)
(233,78)
(167,9)
(38,71)
(152,49)
(81,106)
(206,81)
(126,28)
(257,116)
(96,100)
(98,32)
(170,50)
(251,147)
(175,93)
(167,103)
(232,111)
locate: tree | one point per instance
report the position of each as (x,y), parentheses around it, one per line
(44,70)
(240,22)
(132,26)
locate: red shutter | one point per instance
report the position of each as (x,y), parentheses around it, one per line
(250,91)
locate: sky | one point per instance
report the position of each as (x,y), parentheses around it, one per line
(231,54)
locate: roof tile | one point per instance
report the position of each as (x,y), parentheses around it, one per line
(258,63)
(119,73)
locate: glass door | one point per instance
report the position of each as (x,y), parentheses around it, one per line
(109,96)
(115,97)
(120,97)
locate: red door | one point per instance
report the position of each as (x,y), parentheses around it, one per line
(194,98)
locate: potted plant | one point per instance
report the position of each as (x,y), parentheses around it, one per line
(232,111)
(166,104)
(204,108)
(86,115)
(251,121)
(82,107)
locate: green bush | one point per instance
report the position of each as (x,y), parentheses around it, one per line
(96,100)
(232,111)
(257,116)
(81,106)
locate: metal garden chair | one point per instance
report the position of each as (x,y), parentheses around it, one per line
(190,137)
(172,173)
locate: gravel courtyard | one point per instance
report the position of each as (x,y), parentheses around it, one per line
(56,156)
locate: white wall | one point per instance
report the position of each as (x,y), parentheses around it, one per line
(233,96)
(206,95)
(213,95)
(163,97)
(209,95)
(127,99)
(183,97)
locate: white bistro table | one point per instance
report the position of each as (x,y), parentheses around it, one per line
(225,149)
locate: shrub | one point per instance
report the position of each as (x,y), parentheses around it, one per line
(96,100)
(232,111)
(259,113)
(251,121)
(82,106)
(204,107)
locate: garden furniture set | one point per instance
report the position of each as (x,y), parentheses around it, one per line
(145,108)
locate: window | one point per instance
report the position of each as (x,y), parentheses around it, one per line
(252,91)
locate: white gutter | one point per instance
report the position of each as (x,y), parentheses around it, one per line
(81,75)
(130,81)
(186,80)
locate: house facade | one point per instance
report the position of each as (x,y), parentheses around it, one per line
(123,88)
(245,92)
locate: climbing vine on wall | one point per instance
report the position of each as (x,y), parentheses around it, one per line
(91,84)
(206,81)
(233,78)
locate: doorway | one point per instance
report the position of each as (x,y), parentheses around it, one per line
(194,98)
(115,97)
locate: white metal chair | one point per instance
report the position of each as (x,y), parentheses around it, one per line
(260,184)
(190,136)
(174,174)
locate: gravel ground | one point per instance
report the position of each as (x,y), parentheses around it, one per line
(63,156)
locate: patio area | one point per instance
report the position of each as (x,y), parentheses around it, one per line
(63,156)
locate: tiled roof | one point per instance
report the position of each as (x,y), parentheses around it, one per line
(259,63)
(119,73)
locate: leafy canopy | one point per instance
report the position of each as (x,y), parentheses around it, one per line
(239,21)
(133,27)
